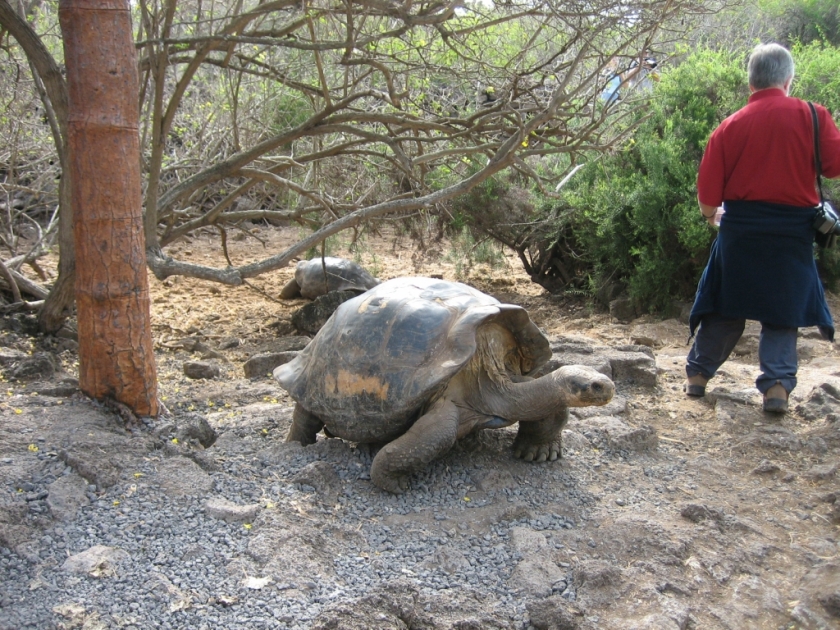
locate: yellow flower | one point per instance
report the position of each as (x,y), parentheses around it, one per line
(247,526)
(116,503)
(32,447)
(175,440)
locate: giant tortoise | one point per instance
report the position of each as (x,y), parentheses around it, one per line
(417,363)
(319,276)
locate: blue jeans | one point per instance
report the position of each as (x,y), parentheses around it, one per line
(718,335)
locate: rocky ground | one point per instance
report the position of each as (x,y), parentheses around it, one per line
(665,512)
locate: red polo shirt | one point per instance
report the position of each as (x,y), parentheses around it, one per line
(765,152)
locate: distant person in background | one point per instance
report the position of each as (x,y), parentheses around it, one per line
(757,181)
(641,74)
(611,92)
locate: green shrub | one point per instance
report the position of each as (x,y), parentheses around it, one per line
(801,20)
(636,210)
(818,79)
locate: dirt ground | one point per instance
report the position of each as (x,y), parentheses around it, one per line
(719,516)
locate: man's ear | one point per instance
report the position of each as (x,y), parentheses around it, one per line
(787,84)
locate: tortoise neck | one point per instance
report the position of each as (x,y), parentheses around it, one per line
(523,401)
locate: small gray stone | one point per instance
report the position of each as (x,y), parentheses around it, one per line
(195,427)
(527,541)
(766,467)
(180,476)
(264,364)
(201,370)
(535,575)
(773,437)
(636,367)
(66,495)
(698,513)
(597,574)
(640,439)
(9,356)
(321,476)
(229,342)
(624,310)
(450,560)
(98,561)
(551,614)
(67,387)
(231,512)
(39,365)
(821,473)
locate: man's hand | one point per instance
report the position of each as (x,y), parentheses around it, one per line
(712,214)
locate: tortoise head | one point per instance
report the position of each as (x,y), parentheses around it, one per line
(583,386)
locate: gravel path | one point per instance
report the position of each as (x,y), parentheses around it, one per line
(666,513)
(175,561)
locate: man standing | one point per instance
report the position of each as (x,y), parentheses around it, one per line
(757,181)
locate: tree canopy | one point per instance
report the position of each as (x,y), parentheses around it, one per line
(331,113)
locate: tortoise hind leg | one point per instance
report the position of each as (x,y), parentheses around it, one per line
(433,434)
(305,427)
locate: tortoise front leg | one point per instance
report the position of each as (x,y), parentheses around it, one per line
(291,290)
(433,434)
(541,440)
(305,427)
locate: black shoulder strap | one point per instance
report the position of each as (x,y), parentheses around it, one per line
(817,160)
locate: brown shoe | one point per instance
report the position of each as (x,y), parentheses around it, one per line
(776,399)
(695,385)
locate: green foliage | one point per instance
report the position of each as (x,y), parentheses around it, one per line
(636,209)
(817,77)
(818,80)
(802,20)
(287,111)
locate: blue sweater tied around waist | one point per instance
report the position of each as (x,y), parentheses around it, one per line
(762,267)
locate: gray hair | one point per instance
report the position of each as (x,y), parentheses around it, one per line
(770,66)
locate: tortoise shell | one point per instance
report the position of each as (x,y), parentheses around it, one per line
(319,276)
(387,354)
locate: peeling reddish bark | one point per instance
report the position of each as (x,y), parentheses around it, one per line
(116,358)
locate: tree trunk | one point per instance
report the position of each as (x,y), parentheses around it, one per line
(59,302)
(112,292)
